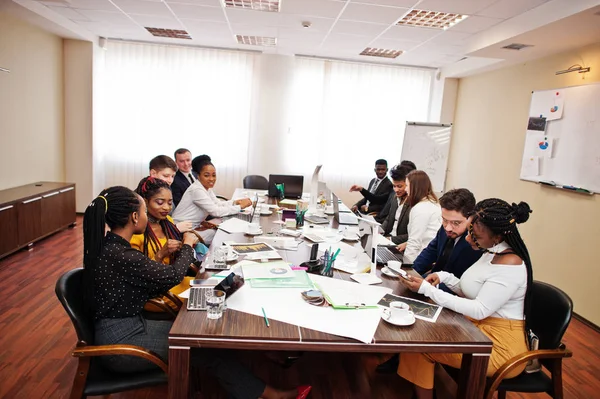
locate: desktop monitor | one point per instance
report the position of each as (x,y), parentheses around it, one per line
(292,185)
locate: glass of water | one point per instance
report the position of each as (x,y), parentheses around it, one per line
(220,256)
(215,302)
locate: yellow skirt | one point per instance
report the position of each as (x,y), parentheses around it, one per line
(507,336)
(178,289)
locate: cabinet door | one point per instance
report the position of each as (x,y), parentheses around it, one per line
(9,235)
(29,220)
(67,207)
(51,212)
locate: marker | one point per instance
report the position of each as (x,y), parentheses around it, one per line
(265,316)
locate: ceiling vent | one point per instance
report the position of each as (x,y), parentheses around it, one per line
(256,40)
(257,5)
(170,33)
(378,52)
(431,19)
(517,46)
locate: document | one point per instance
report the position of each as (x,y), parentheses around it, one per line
(274,269)
(234,225)
(422,310)
(531,166)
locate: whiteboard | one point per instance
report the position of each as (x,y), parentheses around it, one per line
(567,152)
(428,145)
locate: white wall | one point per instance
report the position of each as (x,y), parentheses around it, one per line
(31,104)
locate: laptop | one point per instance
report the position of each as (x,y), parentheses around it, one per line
(246,217)
(197,298)
(342,217)
(292,185)
(384,253)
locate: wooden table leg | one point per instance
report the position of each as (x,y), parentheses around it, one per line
(473,370)
(179,372)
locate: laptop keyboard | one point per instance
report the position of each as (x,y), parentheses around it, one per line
(197,298)
(384,255)
(246,217)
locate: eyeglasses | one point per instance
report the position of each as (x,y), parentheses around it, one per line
(453,223)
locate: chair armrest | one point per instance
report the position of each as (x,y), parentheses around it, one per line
(130,350)
(160,303)
(499,375)
(174,298)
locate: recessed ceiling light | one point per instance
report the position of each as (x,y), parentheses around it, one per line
(378,52)
(171,33)
(517,46)
(256,40)
(431,19)
(257,5)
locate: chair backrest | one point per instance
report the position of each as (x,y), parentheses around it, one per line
(70,294)
(256,182)
(551,311)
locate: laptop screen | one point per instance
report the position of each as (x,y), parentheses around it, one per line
(292,185)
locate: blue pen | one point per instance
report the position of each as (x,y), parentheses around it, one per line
(569,188)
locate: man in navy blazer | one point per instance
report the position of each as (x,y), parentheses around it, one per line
(185,176)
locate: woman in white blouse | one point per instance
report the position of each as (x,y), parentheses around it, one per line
(493,293)
(199,200)
(425,216)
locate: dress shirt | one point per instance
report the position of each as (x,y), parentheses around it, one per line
(398,213)
(198,202)
(125,279)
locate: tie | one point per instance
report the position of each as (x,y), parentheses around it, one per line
(374,188)
(443,260)
(191,178)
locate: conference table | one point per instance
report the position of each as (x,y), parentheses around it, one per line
(451,333)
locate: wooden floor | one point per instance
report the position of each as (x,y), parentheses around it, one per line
(36,338)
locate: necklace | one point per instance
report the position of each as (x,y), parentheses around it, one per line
(152,219)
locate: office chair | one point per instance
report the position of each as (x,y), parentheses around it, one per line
(256,182)
(91,379)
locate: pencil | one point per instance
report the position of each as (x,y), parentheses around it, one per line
(265,315)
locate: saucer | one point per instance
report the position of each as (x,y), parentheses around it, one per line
(232,257)
(400,322)
(355,238)
(256,233)
(266,213)
(330,213)
(388,272)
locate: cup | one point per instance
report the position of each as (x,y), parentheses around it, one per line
(220,256)
(394,265)
(349,234)
(215,302)
(398,311)
(329,209)
(253,228)
(321,212)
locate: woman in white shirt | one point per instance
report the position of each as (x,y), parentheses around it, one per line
(493,293)
(425,216)
(199,200)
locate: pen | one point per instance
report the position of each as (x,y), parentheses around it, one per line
(265,315)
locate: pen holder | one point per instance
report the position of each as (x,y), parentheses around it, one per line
(280,190)
(325,270)
(300,218)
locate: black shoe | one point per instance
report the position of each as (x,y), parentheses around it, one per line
(388,367)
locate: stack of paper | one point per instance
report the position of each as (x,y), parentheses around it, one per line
(234,225)
(274,269)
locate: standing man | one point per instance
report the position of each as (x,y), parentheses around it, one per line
(185,176)
(375,197)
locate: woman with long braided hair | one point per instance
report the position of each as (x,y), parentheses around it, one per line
(494,293)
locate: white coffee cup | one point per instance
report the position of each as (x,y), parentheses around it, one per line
(398,311)
(320,212)
(253,228)
(329,209)
(349,234)
(394,265)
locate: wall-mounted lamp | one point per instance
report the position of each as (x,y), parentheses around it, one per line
(4,70)
(573,68)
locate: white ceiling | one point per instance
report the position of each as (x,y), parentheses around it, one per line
(339,28)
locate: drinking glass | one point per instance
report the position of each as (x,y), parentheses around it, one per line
(220,256)
(215,301)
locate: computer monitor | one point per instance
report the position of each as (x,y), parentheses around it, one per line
(292,185)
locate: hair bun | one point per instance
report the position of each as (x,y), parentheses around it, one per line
(521,211)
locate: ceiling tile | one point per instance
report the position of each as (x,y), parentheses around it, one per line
(468,7)
(338,41)
(410,33)
(317,8)
(241,16)
(152,21)
(371,13)
(104,5)
(142,7)
(404,45)
(451,37)
(475,24)
(253,30)
(106,16)
(214,3)
(69,13)
(359,28)
(206,29)
(198,12)
(510,8)
(295,21)
(391,3)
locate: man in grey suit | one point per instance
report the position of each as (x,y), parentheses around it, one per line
(395,224)
(376,195)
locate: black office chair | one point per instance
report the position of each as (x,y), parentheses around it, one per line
(91,379)
(551,311)
(256,182)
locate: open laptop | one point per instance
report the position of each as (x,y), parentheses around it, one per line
(247,217)
(292,185)
(342,217)
(197,298)
(384,253)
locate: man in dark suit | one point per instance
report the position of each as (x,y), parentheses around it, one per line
(448,251)
(395,224)
(383,214)
(375,197)
(185,176)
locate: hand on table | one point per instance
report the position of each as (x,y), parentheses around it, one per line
(433,279)
(354,208)
(243,203)
(413,283)
(401,247)
(364,209)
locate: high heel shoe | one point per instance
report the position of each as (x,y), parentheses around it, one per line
(303,391)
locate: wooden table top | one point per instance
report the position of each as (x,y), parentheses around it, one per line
(451,333)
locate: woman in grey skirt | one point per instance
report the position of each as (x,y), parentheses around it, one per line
(119,280)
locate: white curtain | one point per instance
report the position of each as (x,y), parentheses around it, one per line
(347,115)
(158,98)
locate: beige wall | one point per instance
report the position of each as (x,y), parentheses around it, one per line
(485,156)
(31,104)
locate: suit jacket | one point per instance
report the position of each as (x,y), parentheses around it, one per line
(401,234)
(180,183)
(461,258)
(383,213)
(376,200)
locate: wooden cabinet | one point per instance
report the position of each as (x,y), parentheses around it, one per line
(34,211)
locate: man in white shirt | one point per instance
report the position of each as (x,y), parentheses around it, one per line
(375,197)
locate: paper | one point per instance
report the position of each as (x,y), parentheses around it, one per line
(263,255)
(536,124)
(273,269)
(234,225)
(299,279)
(545,146)
(359,324)
(531,166)
(422,310)
(248,248)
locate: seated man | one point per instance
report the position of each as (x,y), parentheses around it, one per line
(163,167)
(185,176)
(395,224)
(382,215)
(375,197)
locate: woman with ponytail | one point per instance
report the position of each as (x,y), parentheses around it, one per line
(494,293)
(119,280)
